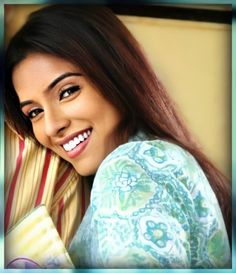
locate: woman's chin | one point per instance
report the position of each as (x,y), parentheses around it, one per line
(84,170)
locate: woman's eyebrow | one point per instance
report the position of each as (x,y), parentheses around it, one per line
(22,104)
(52,84)
(61,77)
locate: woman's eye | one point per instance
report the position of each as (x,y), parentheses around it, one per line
(33,113)
(69,91)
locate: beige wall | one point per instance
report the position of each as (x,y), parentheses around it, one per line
(193,60)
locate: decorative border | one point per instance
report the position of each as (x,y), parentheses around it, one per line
(135,2)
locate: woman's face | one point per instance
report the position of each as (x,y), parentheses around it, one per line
(68,114)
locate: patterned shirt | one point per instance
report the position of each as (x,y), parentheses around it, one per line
(151,206)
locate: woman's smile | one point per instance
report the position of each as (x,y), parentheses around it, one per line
(76,143)
(68,114)
(76,139)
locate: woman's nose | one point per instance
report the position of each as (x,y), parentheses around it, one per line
(55,122)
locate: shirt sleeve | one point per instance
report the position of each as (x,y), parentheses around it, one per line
(151,207)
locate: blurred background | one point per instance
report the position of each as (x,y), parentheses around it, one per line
(189,47)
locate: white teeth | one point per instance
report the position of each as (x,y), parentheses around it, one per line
(76,140)
(81,138)
(73,143)
(66,147)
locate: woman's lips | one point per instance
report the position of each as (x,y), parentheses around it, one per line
(75,143)
(78,149)
(76,139)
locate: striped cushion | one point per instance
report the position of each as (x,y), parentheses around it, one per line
(36,229)
(33,176)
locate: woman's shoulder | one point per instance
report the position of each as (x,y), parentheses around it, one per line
(146,185)
(160,165)
(152,155)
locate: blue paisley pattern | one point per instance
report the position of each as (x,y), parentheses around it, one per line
(151,207)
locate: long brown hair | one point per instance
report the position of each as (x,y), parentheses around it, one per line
(95,40)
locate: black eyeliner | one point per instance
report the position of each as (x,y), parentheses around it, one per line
(72,89)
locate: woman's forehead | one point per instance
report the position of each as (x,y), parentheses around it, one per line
(41,70)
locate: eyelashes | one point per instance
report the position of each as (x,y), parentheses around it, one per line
(68,92)
(63,94)
(33,113)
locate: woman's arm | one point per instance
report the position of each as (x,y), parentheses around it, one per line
(151,206)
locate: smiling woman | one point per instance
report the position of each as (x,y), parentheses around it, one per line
(156,200)
(84,121)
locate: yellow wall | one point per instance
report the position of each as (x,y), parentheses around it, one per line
(193,60)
